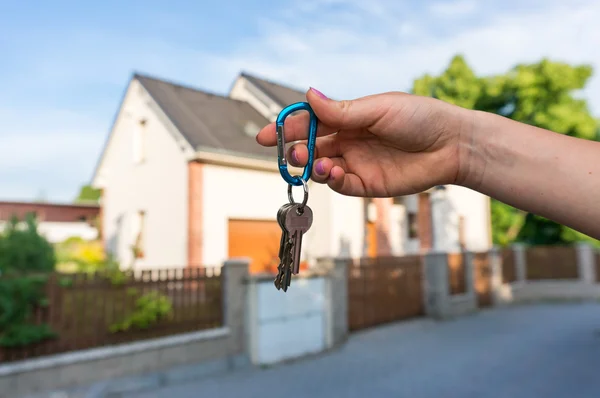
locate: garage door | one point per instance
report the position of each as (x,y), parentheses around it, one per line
(259,240)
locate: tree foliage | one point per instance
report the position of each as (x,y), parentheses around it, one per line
(26,258)
(543,94)
(88,194)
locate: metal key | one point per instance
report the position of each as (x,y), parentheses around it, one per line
(298,221)
(282,280)
(281,213)
(287,270)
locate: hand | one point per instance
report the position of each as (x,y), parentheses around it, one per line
(383,145)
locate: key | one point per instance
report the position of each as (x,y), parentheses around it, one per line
(287,265)
(297,224)
(282,244)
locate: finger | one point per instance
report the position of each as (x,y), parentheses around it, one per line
(324,147)
(351,114)
(348,184)
(322,168)
(295,128)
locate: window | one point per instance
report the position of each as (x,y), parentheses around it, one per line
(138,246)
(413,230)
(139,133)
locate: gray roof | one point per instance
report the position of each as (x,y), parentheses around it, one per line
(209,120)
(283,95)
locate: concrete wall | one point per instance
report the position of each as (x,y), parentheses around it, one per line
(288,325)
(523,290)
(157,185)
(141,365)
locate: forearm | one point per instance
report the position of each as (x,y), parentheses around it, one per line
(535,170)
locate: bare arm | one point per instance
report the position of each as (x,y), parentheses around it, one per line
(545,173)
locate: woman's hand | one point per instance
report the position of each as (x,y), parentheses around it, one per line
(382,145)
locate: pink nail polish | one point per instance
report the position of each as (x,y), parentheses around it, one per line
(319,168)
(295,156)
(320,94)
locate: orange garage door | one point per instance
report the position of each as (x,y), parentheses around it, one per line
(259,240)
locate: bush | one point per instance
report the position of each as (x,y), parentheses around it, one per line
(150,308)
(24,250)
(26,258)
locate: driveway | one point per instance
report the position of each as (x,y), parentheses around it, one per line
(545,351)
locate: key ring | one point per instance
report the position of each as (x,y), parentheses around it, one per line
(312,136)
(304,200)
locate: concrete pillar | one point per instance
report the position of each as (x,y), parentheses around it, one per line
(496,266)
(235,276)
(435,289)
(469,272)
(336,298)
(586,263)
(520,263)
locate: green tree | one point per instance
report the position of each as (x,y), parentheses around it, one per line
(88,194)
(26,258)
(23,249)
(543,94)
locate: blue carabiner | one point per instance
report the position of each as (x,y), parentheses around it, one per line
(312,137)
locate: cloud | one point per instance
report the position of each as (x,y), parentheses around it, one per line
(52,150)
(453,8)
(58,100)
(346,61)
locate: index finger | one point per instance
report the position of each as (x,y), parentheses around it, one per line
(295,128)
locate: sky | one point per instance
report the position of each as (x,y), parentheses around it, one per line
(64,65)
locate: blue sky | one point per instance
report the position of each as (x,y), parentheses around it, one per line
(65,64)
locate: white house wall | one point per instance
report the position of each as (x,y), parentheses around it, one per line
(347,224)
(243,90)
(475,209)
(411,245)
(232,193)
(157,186)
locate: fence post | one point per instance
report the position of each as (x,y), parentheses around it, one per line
(586,260)
(468,258)
(435,281)
(496,267)
(337,299)
(519,251)
(235,276)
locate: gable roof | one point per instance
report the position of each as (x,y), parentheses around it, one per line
(208,120)
(283,95)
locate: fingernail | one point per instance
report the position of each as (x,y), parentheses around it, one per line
(295,156)
(319,168)
(320,94)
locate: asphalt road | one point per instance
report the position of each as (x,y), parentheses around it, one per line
(549,351)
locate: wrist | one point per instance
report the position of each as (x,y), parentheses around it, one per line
(473,139)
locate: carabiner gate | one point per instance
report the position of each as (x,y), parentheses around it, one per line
(312,137)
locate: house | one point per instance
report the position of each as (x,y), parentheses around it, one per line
(56,221)
(184,183)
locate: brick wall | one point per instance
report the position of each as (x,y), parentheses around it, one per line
(382,225)
(424,222)
(195,233)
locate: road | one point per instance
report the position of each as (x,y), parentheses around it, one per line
(550,351)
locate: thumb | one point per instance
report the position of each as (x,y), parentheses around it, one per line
(363,112)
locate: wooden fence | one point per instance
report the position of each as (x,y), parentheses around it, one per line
(509,266)
(551,262)
(457,277)
(482,268)
(384,289)
(91,310)
(598,266)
